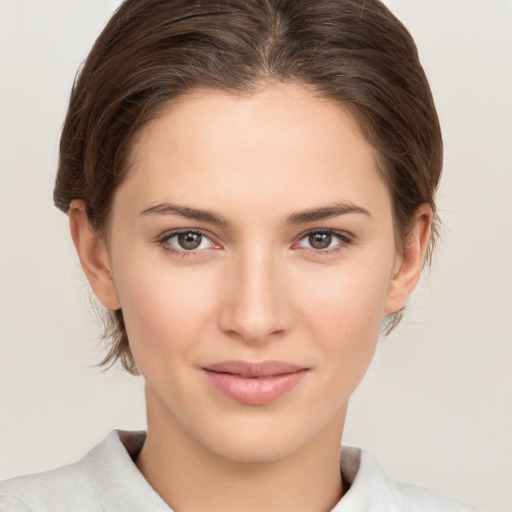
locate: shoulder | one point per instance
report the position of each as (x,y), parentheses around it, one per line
(372,491)
(66,488)
(419,499)
(105,479)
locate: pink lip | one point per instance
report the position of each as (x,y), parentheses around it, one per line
(254,383)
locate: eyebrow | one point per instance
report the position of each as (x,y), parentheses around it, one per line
(326,212)
(186,212)
(300,217)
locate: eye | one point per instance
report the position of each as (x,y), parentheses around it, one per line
(323,240)
(186,240)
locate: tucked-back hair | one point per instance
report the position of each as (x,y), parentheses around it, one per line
(355,52)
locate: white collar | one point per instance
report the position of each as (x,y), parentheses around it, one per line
(119,485)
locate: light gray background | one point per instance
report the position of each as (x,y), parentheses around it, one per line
(435,408)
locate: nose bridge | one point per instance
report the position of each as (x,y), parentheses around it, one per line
(256,301)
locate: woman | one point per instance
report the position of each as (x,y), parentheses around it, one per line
(250,187)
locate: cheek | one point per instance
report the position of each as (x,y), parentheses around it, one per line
(344,311)
(348,300)
(164,308)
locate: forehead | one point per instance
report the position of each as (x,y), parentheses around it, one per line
(280,145)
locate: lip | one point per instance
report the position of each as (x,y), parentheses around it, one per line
(254,383)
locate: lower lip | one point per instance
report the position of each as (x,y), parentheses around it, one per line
(254,391)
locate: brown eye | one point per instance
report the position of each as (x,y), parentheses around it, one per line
(320,240)
(190,240)
(325,241)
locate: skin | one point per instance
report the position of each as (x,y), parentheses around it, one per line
(255,290)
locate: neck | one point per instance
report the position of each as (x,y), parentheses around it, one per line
(188,476)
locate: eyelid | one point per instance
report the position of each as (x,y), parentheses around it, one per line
(345,239)
(168,235)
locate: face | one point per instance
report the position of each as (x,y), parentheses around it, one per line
(253,255)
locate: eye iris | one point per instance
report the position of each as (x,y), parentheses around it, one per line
(320,240)
(190,241)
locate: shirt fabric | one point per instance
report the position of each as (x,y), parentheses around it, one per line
(108,480)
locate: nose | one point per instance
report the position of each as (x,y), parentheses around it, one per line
(256,306)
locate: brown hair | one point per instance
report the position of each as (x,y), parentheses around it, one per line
(353,51)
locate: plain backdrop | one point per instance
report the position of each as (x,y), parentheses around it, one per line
(435,407)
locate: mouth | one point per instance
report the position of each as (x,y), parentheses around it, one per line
(254,383)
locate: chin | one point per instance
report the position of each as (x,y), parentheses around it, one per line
(256,449)
(265,438)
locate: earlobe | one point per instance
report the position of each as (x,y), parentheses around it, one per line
(93,256)
(409,262)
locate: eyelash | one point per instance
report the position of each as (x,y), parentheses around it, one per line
(183,253)
(344,240)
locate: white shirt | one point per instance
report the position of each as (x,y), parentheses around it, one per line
(107,479)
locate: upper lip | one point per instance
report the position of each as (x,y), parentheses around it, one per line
(261,369)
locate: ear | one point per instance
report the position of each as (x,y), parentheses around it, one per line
(93,256)
(409,261)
